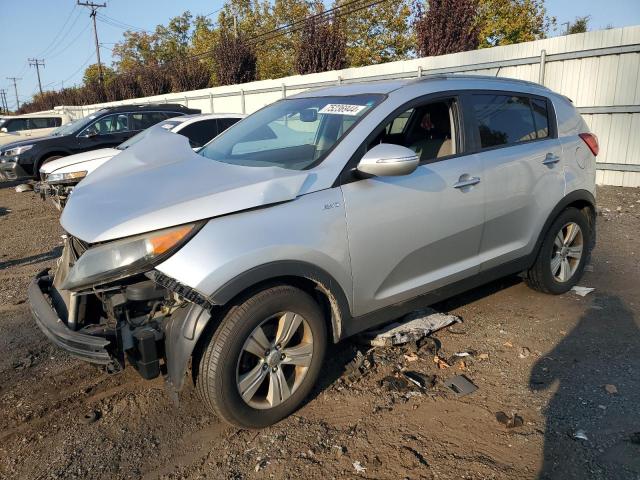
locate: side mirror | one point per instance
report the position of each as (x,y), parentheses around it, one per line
(387,160)
(90,134)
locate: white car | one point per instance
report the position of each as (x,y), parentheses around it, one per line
(60,176)
(33,125)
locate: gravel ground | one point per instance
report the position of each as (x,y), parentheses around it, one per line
(568,366)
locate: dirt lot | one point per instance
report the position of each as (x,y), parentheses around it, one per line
(567,365)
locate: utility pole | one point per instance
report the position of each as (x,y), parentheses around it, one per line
(15,87)
(3,99)
(94,8)
(34,62)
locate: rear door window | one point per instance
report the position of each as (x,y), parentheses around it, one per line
(200,133)
(540,117)
(16,125)
(44,122)
(505,120)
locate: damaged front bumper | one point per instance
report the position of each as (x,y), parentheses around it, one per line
(81,345)
(58,193)
(10,169)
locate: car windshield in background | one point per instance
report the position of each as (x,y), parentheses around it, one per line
(296,133)
(166,125)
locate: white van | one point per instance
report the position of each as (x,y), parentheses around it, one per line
(33,125)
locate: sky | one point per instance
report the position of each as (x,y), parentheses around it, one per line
(61,33)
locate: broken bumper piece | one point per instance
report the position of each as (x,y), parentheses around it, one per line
(86,347)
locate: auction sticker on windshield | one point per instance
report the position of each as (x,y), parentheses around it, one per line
(341,109)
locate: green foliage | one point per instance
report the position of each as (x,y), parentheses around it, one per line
(504,22)
(579,25)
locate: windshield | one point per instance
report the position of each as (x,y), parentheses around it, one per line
(75,125)
(296,133)
(167,125)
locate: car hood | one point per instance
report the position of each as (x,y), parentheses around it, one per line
(63,162)
(160,182)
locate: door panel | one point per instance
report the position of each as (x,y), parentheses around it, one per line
(520,193)
(411,234)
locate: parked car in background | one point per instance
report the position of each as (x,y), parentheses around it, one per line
(35,125)
(317,217)
(60,176)
(108,127)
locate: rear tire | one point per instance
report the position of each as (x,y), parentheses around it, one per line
(563,254)
(264,358)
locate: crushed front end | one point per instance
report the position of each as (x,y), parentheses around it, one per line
(115,321)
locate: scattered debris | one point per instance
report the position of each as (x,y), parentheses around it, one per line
(261,464)
(420,379)
(580,435)
(507,344)
(611,389)
(358,467)
(460,385)
(24,187)
(394,384)
(410,328)
(411,357)
(418,455)
(89,417)
(513,421)
(440,362)
(357,367)
(524,352)
(582,291)
(339,450)
(483,356)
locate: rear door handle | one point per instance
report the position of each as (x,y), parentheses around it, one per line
(550,159)
(466,181)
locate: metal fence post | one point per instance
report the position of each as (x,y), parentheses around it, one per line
(244,108)
(543,63)
(419,71)
(186,101)
(211,102)
(284,91)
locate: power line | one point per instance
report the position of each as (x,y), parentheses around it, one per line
(57,41)
(64,50)
(34,62)
(117,23)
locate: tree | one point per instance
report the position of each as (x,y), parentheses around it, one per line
(234,59)
(377,34)
(503,22)
(322,46)
(92,74)
(447,26)
(580,25)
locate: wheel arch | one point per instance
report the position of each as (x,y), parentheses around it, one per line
(44,157)
(584,201)
(185,328)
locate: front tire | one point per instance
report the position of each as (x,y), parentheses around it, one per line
(563,254)
(264,358)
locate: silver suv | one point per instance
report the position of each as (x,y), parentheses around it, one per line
(313,219)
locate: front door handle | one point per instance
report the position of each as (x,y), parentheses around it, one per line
(551,159)
(466,180)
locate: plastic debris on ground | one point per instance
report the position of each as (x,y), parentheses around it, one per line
(580,435)
(460,385)
(611,389)
(358,467)
(410,328)
(512,421)
(582,291)
(420,379)
(24,187)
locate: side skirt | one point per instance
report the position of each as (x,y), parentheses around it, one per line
(354,325)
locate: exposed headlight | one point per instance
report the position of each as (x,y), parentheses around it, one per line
(122,258)
(17,150)
(65,177)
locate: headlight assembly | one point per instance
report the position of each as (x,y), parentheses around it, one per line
(17,150)
(122,258)
(65,177)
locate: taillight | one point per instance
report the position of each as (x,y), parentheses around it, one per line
(592,142)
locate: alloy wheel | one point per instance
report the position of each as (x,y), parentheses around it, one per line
(566,254)
(274,360)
